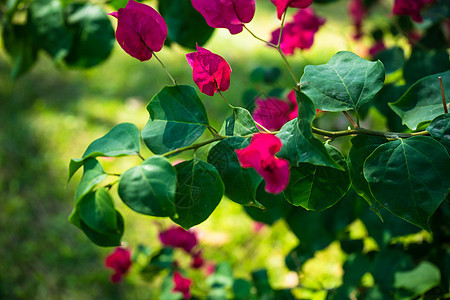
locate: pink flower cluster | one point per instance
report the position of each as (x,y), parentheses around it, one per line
(182,285)
(120,262)
(298,34)
(273,113)
(177,237)
(358,12)
(282,5)
(410,8)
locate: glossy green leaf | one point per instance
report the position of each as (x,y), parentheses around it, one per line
(424,63)
(240,183)
(93,35)
(97,211)
(199,191)
(122,140)
(409,177)
(93,174)
(50,30)
(102,239)
(439,128)
(392,59)
(386,263)
(240,123)
(185,25)
(346,82)
(150,187)
(316,187)
(21,47)
(275,207)
(299,143)
(423,101)
(362,147)
(419,280)
(177,118)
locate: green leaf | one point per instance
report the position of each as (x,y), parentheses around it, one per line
(185,25)
(419,280)
(19,43)
(97,211)
(316,187)
(275,207)
(299,143)
(409,177)
(93,174)
(363,146)
(240,123)
(439,128)
(177,118)
(102,239)
(425,62)
(50,31)
(242,289)
(386,263)
(261,282)
(93,35)
(150,187)
(392,59)
(240,183)
(122,140)
(423,101)
(199,191)
(346,82)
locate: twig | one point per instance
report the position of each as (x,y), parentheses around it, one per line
(350,119)
(165,69)
(443,95)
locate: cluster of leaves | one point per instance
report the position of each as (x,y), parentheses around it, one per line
(402,176)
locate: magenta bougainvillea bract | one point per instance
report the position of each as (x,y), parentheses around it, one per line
(177,237)
(120,261)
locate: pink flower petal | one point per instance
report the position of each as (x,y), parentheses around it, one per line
(260,155)
(282,5)
(211,72)
(230,14)
(182,285)
(120,261)
(177,237)
(140,30)
(271,113)
(410,7)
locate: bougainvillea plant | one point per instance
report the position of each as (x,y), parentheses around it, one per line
(278,160)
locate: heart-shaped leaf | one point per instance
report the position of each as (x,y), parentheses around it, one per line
(409,177)
(199,191)
(122,140)
(423,101)
(150,187)
(240,183)
(317,187)
(177,118)
(299,143)
(239,123)
(439,128)
(346,82)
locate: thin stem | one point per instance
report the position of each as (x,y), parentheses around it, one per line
(110,185)
(213,131)
(263,128)
(194,146)
(287,65)
(113,174)
(350,119)
(258,38)
(359,130)
(281,27)
(443,95)
(165,69)
(141,157)
(221,95)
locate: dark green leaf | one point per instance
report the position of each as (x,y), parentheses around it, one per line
(425,62)
(93,174)
(19,43)
(150,187)
(363,146)
(177,118)
(392,59)
(390,93)
(102,239)
(186,26)
(436,12)
(242,289)
(423,101)
(419,280)
(240,183)
(239,123)
(50,31)
(439,128)
(93,35)
(386,264)
(97,211)
(346,82)
(199,191)
(409,177)
(122,140)
(299,143)
(162,260)
(317,187)
(261,282)
(275,207)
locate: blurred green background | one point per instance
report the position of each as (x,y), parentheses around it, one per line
(51,114)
